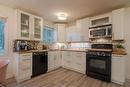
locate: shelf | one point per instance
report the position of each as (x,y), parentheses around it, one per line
(121,40)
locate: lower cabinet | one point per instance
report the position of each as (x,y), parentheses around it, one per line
(74,60)
(118,69)
(23,66)
(67,59)
(79,61)
(54,60)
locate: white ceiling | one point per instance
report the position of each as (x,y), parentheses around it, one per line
(74,8)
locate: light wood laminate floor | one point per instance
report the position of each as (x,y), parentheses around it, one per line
(63,78)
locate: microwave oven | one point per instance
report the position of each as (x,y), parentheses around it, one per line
(100,31)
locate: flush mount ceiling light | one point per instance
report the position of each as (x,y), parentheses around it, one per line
(62,16)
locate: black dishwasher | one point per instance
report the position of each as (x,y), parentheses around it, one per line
(39,63)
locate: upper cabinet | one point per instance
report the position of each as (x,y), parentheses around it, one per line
(38,27)
(23,24)
(78,31)
(83,29)
(71,34)
(28,26)
(99,20)
(61,32)
(118,19)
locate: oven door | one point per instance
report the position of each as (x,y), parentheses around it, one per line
(99,64)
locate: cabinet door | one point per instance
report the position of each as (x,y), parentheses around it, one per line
(61,32)
(79,61)
(72,34)
(69,34)
(118,23)
(25,67)
(102,19)
(118,69)
(24,25)
(37,30)
(83,29)
(67,59)
(57,59)
(51,63)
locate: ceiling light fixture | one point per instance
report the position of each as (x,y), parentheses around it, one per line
(62,16)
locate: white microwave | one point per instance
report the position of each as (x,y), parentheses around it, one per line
(100,31)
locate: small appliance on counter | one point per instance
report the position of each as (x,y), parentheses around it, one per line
(20,46)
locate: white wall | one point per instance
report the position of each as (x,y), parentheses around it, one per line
(127,38)
(48,23)
(8,13)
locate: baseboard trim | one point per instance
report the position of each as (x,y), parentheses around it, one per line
(117,82)
(10,80)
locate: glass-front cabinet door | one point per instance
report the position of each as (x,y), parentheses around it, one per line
(37,28)
(28,26)
(25,26)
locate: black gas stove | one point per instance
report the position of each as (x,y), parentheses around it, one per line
(99,62)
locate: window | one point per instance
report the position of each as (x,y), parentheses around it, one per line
(2,38)
(48,34)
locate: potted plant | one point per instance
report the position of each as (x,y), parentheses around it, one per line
(120,47)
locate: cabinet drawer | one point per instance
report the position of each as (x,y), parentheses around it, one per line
(26,55)
(68,64)
(25,64)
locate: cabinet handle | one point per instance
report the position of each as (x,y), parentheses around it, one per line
(112,35)
(26,59)
(26,55)
(61,56)
(79,56)
(79,53)
(24,69)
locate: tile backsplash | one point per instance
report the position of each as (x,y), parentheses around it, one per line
(79,46)
(70,46)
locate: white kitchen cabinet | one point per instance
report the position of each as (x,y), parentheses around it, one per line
(67,60)
(37,28)
(78,31)
(83,29)
(103,19)
(54,60)
(74,61)
(28,26)
(118,69)
(23,24)
(61,32)
(72,34)
(118,20)
(79,61)
(23,66)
